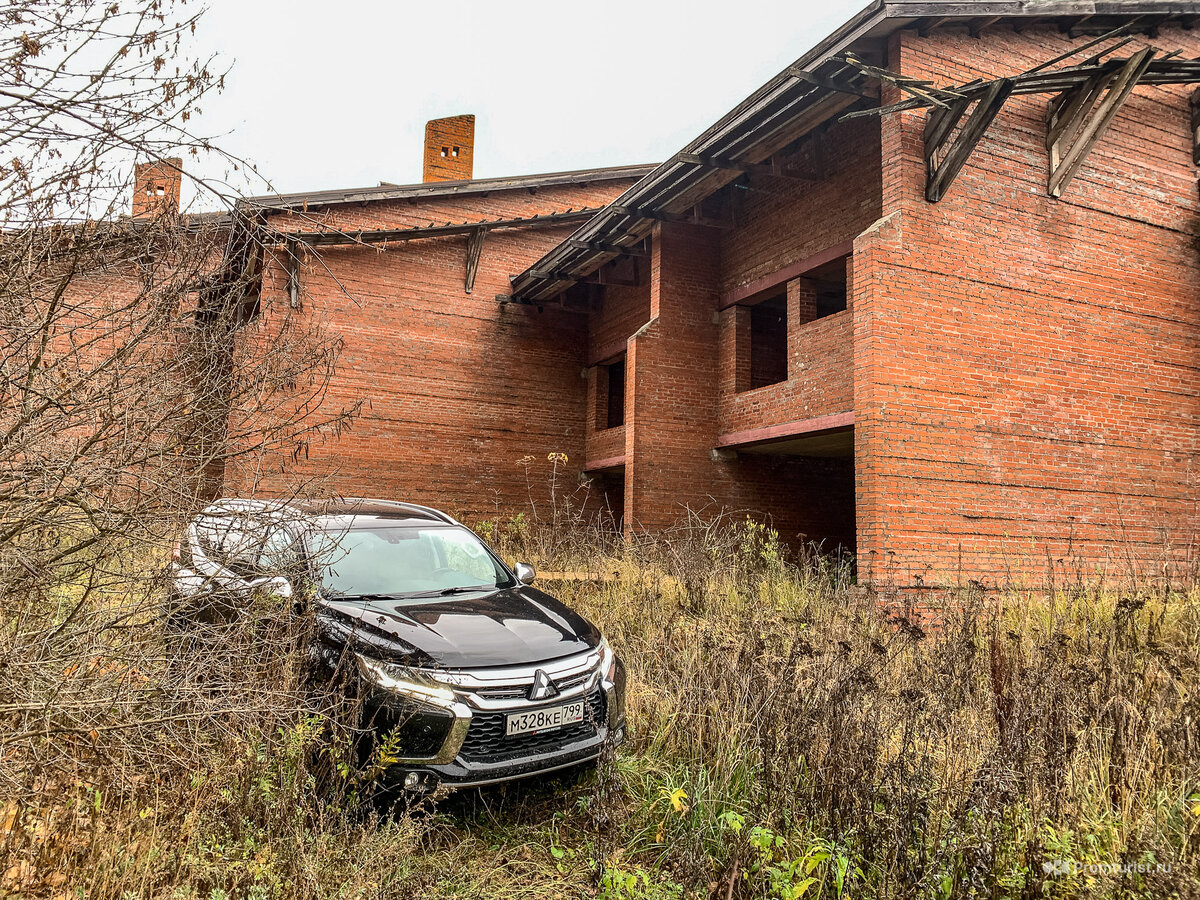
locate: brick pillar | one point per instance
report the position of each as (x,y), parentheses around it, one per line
(735,347)
(671,382)
(801,309)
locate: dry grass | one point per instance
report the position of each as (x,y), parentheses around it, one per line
(787,739)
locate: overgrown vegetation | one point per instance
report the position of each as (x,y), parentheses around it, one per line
(788,739)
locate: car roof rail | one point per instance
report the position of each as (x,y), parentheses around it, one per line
(400,505)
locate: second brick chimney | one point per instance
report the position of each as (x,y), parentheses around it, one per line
(156,187)
(449,149)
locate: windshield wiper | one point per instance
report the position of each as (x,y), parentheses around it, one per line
(450,591)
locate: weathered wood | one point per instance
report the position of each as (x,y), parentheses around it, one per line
(1067,108)
(604,247)
(976,26)
(927,27)
(830,83)
(1195,104)
(399,235)
(474,251)
(1161,71)
(634,212)
(292,249)
(940,173)
(733,165)
(1076,136)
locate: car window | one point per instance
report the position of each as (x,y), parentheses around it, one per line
(405,560)
(249,547)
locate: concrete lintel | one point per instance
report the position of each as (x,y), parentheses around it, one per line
(598,465)
(786,430)
(796,269)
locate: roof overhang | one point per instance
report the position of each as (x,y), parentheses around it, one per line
(805,95)
(433,189)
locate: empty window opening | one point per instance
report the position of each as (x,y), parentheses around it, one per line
(768,342)
(831,287)
(454,151)
(445,152)
(614,414)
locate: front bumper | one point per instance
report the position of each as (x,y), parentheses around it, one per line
(475,750)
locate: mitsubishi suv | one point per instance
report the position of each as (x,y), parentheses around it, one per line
(472,675)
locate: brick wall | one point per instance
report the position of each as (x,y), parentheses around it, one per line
(1027,368)
(457,389)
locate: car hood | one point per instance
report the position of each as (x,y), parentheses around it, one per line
(510,626)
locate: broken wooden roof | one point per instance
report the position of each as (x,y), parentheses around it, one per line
(818,86)
(311,199)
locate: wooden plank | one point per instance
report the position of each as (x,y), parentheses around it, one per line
(292,261)
(1069,109)
(926,28)
(941,174)
(733,165)
(1097,123)
(474,251)
(977,25)
(1195,104)
(398,235)
(635,212)
(605,247)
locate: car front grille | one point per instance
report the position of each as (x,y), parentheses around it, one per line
(519,692)
(486,741)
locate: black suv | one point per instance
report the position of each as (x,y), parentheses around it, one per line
(478,676)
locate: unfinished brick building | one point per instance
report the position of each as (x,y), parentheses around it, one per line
(957,336)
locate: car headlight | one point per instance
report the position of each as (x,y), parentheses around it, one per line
(401,680)
(608,660)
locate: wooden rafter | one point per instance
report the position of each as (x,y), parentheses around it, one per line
(474,249)
(292,262)
(603,247)
(1195,104)
(693,218)
(946,152)
(1076,123)
(397,235)
(733,165)
(976,26)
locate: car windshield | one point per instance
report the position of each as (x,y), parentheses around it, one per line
(405,561)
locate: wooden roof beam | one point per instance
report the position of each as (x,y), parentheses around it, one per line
(1195,105)
(942,168)
(692,218)
(605,247)
(1074,128)
(926,27)
(976,26)
(474,251)
(733,165)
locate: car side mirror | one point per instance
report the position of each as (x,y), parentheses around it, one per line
(525,573)
(276,584)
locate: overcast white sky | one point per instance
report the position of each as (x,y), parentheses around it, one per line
(336,94)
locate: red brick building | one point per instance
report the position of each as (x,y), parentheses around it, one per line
(959,337)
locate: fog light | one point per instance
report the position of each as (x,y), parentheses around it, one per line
(412,780)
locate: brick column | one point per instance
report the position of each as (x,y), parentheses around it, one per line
(671,382)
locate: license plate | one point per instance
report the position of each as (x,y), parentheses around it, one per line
(546,719)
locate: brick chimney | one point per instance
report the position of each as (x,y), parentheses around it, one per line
(156,187)
(449,149)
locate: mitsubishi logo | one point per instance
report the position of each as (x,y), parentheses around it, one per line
(543,688)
